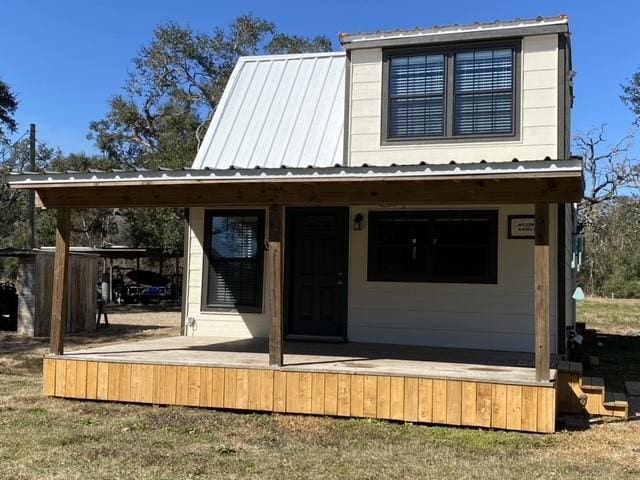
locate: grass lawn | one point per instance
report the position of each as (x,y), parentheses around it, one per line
(44,438)
(621,316)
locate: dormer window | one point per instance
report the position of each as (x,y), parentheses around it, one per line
(453,93)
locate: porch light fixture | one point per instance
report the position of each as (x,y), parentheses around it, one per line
(357,221)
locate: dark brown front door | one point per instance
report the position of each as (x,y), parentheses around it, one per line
(316,273)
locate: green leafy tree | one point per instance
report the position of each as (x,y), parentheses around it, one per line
(631,94)
(175,85)
(8,107)
(613,257)
(167,101)
(14,225)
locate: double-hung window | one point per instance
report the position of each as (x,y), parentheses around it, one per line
(451,94)
(416,96)
(233,259)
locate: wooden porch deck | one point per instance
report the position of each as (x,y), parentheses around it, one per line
(416,384)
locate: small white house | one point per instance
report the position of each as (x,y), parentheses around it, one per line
(384,231)
(472,101)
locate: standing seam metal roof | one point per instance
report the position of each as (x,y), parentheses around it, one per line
(270,114)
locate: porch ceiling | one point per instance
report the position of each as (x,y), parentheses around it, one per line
(514,182)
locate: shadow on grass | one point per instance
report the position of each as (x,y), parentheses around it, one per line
(13,344)
(619,359)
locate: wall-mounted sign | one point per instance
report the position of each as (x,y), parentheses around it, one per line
(521,226)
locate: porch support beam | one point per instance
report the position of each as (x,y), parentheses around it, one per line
(275,257)
(410,192)
(60,282)
(542,292)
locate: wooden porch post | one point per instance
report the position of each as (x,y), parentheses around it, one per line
(275,284)
(60,282)
(541,260)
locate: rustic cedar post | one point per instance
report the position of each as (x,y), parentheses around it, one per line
(60,282)
(275,283)
(541,261)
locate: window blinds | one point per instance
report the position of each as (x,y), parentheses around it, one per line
(416,96)
(483,92)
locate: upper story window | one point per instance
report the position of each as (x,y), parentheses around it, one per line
(484,92)
(452,93)
(416,96)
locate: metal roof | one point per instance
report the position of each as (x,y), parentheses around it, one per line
(271,114)
(309,174)
(436,33)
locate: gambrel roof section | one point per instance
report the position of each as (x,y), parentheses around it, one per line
(279,110)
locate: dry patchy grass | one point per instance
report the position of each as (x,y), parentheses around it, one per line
(45,438)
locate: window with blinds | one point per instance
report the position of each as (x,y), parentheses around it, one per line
(416,96)
(234,255)
(483,92)
(455,93)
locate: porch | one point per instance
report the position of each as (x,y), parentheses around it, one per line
(443,386)
(408,383)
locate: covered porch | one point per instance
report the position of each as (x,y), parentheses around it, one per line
(409,383)
(431,385)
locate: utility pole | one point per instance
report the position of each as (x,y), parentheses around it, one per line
(32,194)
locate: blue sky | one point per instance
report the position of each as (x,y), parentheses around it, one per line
(65,58)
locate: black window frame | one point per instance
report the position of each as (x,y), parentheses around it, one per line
(449,51)
(213,307)
(373,268)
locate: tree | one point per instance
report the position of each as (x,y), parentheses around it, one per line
(176,83)
(8,106)
(613,257)
(631,95)
(167,102)
(608,169)
(609,172)
(14,225)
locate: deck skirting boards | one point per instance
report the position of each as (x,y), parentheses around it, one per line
(389,397)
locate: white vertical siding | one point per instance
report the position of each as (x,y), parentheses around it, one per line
(538,124)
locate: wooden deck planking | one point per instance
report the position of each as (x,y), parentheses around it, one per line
(411,399)
(425,400)
(529,409)
(408,399)
(454,402)
(370,383)
(439,401)
(469,402)
(499,406)
(383,401)
(357,396)
(344,395)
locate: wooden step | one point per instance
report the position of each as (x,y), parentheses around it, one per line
(592,383)
(566,366)
(615,399)
(616,405)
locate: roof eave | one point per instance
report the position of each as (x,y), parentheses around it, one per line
(546,168)
(357,41)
